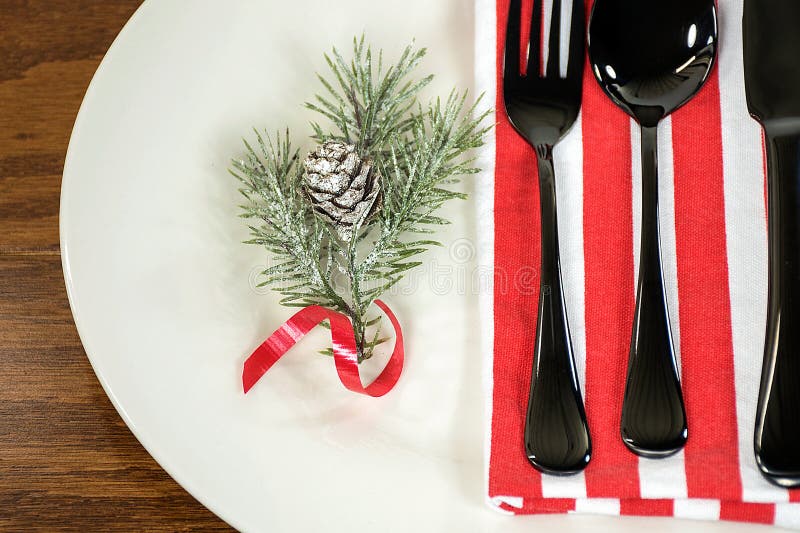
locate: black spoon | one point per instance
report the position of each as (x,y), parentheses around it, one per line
(651,58)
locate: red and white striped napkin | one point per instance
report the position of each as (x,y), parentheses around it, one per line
(714,242)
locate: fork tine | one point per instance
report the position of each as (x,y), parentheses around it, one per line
(577,41)
(512,39)
(554,46)
(534,48)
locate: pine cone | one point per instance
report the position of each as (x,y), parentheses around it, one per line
(344,189)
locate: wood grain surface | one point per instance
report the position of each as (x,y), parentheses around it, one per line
(67,461)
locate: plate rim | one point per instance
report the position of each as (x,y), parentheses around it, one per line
(63,217)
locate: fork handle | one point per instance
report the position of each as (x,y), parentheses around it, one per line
(777,430)
(556,433)
(653,415)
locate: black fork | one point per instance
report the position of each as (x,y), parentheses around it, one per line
(542,108)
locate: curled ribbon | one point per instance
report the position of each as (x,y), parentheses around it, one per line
(345,354)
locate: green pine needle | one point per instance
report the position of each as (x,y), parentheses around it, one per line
(368,105)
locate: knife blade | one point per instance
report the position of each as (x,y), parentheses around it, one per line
(771,37)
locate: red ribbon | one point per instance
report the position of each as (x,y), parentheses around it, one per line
(345,354)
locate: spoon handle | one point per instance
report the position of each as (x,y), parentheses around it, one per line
(777,431)
(653,414)
(556,433)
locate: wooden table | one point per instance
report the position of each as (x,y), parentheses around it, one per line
(67,461)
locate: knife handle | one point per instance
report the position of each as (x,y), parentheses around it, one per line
(777,431)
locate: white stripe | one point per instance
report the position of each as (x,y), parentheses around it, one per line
(660,478)
(669,248)
(605,506)
(663,478)
(787,515)
(563,35)
(290,329)
(547,16)
(568,162)
(485,70)
(566,20)
(745,221)
(696,509)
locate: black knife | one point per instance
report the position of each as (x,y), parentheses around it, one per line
(771,32)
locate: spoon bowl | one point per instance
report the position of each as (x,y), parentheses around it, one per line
(652,57)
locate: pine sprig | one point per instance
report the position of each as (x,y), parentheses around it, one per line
(368,106)
(270,185)
(419,153)
(422,170)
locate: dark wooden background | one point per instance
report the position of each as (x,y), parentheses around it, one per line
(67,461)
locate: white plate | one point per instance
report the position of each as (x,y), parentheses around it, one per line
(161,286)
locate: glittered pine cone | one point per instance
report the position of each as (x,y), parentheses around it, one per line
(344,189)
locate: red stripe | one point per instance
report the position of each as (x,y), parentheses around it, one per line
(609,278)
(516,285)
(541,506)
(794,495)
(646,507)
(525,32)
(711,455)
(764,164)
(547,505)
(542,26)
(759,513)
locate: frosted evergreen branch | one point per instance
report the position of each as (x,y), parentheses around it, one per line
(419,154)
(369,106)
(270,186)
(420,170)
